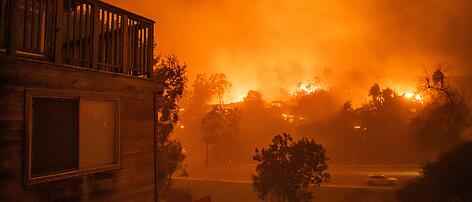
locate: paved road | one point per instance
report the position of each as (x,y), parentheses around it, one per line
(329,185)
(232,182)
(341,176)
(242,191)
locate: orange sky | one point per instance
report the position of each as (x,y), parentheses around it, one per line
(270,45)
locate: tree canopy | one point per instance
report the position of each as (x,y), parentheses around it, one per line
(287,168)
(439,126)
(220,129)
(172,75)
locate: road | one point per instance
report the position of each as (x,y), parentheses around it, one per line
(232,182)
(341,176)
(242,191)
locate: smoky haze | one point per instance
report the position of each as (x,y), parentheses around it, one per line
(272,45)
(342,73)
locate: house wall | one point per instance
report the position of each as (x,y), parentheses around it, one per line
(135,181)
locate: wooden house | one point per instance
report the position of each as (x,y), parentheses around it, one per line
(77,102)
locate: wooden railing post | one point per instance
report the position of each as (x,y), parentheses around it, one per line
(58,34)
(13,37)
(150,49)
(95,35)
(126,64)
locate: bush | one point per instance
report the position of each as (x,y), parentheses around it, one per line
(449,178)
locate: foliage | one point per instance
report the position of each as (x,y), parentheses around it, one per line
(438,86)
(287,168)
(202,90)
(172,75)
(170,156)
(221,84)
(169,72)
(316,106)
(375,93)
(377,131)
(207,88)
(258,121)
(220,127)
(439,125)
(449,178)
(220,122)
(253,99)
(194,105)
(347,107)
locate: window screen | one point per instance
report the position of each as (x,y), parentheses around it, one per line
(55,136)
(98,132)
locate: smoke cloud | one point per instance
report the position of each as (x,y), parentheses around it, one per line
(271,45)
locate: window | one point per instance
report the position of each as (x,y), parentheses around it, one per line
(55,136)
(70,134)
(98,129)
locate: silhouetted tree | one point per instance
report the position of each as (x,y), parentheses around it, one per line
(439,125)
(172,75)
(449,178)
(205,89)
(316,106)
(287,168)
(221,84)
(220,127)
(347,107)
(253,99)
(202,90)
(374,93)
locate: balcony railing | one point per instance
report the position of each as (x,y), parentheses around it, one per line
(84,33)
(3,23)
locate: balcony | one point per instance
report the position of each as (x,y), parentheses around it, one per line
(82,33)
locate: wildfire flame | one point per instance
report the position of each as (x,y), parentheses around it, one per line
(288,117)
(291,118)
(307,87)
(413,96)
(408,95)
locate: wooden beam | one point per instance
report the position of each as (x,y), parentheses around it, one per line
(95,35)
(58,33)
(126,64)
(13,28)
(150,49)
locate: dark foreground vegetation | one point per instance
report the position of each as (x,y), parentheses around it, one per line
(449,178)
(288,168)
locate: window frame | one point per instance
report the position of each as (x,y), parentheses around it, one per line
(30,94)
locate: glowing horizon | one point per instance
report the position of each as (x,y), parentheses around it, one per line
(270,46)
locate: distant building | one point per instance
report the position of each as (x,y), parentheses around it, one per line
(77,119)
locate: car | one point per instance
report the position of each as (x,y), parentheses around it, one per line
(380,180)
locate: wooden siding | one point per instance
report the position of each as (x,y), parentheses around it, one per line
(133,182)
